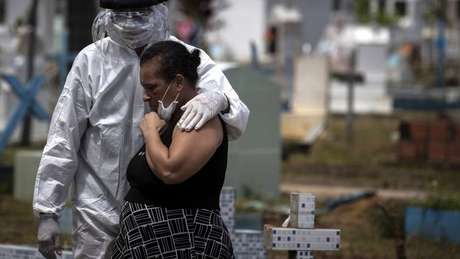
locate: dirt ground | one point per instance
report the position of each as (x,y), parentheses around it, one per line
(363,238)
(17,224)
(402,177)
(332,167)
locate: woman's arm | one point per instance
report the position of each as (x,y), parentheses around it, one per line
(187,154)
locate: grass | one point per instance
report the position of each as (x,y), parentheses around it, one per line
(8,155)
(441,201)
(372,142)
(362,236)
(370,161)
(18,224)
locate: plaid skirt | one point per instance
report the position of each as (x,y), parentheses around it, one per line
(147,231)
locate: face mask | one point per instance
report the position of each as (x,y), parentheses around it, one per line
(138,28)
(130,29)
(165,113)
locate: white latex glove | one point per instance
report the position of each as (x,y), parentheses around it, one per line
(48,236)
(201,109)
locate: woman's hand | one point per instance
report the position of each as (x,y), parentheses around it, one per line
(151,123)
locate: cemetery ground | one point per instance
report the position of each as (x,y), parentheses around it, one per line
(370,161)
(371,228)
(374,227)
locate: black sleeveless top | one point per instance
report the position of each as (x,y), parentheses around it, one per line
(202,190)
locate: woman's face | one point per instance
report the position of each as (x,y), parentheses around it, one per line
(155,86)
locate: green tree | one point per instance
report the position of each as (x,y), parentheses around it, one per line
(363,15)
(361,9)
(437,9)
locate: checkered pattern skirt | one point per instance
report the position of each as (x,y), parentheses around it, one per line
(154,232)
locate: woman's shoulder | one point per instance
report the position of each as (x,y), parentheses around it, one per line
(212,128)
(216,124)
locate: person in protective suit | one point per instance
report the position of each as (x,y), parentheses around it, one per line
(94,131)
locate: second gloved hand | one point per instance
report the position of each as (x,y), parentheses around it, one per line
(201,109)
(48,236)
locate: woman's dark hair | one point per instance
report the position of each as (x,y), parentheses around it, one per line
(173,58)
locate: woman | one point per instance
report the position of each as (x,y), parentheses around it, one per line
(172,208)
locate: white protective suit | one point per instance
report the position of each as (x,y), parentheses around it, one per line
(95,132)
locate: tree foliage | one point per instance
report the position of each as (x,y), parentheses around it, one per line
(363,14)
(437,10)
